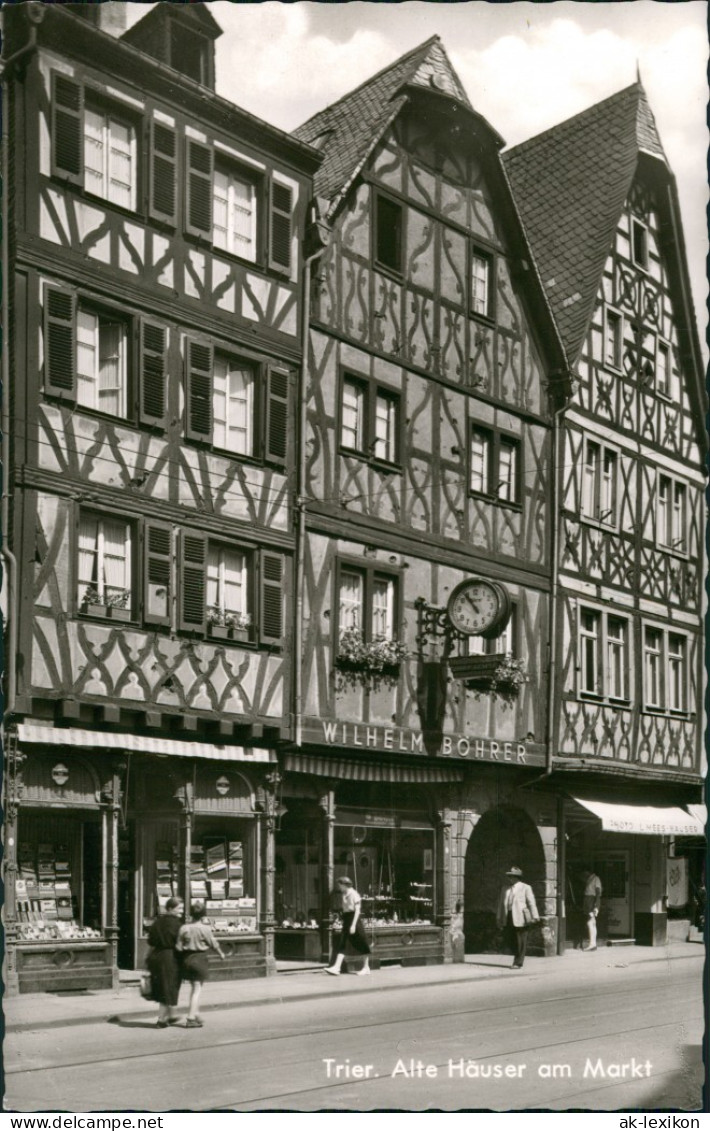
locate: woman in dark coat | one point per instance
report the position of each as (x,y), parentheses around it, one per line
(163,961)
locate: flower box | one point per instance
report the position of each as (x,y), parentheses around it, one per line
(95,610)
(228,632)
(117,613)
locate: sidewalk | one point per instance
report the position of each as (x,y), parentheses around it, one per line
(44,1011)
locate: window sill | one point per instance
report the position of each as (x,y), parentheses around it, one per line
(225,632)
(378,464)
(390,272)
(107,612)
(599,524)
(92,198)
(510,504)
(486,320)
(668,713)
(681,555)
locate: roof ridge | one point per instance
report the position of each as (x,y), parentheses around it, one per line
(427,43)
(589,110)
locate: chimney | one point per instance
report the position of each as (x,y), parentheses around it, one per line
(109,16)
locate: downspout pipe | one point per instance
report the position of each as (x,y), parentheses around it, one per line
(35,15)
(300,501)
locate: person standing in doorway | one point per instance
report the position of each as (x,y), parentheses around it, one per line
(352,927)
(517,910)
(591,902)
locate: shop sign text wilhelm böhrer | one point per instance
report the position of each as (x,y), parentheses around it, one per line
(400,740)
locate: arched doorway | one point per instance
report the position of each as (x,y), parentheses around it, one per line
(502,838)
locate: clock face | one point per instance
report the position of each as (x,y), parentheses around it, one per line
(477,607)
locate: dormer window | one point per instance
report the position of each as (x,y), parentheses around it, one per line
(188,53)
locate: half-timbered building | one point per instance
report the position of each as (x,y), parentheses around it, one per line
(426,462)
(600,205)
(152,231)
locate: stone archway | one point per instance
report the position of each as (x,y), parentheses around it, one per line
(503,837)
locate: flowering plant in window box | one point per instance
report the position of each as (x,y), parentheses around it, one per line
(498,673)
(115,605)
(227,625)
(368,663)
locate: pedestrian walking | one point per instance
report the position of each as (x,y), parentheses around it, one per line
(163,963)
(353,929)
(194,941)
(591,902)
(517,910)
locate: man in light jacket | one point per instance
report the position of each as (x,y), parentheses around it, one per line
(516,911)
(590,905)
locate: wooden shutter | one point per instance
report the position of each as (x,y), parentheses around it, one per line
(152,370)
(280,208)
(271,579)
(199,390)
(59,340)
(163,172)
(276,416)
(67,129)
(193,563)
(200,161)
(156,570)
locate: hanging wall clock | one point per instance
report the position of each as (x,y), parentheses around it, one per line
(479,608)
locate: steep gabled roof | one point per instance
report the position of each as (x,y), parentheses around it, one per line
(570,184)
(347,131)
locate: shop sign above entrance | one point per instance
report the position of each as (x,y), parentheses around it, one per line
(401,740)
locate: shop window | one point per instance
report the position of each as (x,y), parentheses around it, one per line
(389,227)
(665,670)
(494,465)
(228,206)
(105,567)
(238,405)
(482,276)
(671,514)
(392,866)
(604,658)
(613,338)
(599,482)
(87,356)
(222,870)
(59,877)
(370,420)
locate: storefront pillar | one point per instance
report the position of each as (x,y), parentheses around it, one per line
(12,985)
(269,818)
(111,795)
(443,878)
(186,797)
(327,803)
(561,876)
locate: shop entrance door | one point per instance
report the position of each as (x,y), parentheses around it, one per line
(615,915)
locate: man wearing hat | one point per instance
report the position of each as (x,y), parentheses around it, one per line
(516,911)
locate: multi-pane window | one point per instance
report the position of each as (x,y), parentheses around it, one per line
(101,362)
(369,419)
(480,283)
(234,214)
(367,603)
(389,223)
(639,244)
(227,587)
(353,415)
(603,654)
(494,465)
(110,158)
(599,482)
(613,332)
(233,405)
(104,563)
(671,513)
(505,642)
(665,670)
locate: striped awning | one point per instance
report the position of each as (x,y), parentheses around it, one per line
(139,743)
(644,820)
(348,769)
(700,814)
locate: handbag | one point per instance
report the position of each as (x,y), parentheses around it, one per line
(146,986)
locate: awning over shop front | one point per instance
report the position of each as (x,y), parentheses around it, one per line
(644,820)
(700,814)
(139,743)
(343,769)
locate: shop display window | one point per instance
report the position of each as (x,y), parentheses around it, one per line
(391,861)
(161,866)
(222,870)
(298,863)
(58,886)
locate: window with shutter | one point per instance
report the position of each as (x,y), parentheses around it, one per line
(193,560)
(271,605)
(281,205)
(101,361)
(59,341)
(199,391)
(276,417)
(157,570)
(163,172)
(152,395)
(200,163)
(67,129)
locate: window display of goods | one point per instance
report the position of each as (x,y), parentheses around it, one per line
(242,926)
(42,931)
(395,922)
